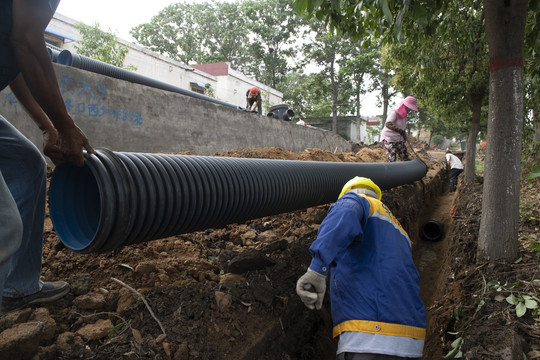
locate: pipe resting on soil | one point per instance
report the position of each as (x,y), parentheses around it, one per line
(121,198)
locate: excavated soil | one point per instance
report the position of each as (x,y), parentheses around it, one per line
(228,293)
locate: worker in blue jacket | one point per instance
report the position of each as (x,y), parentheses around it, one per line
(377,312)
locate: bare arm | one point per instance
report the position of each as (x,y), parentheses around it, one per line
(50,135)
(30,18)
(392,126)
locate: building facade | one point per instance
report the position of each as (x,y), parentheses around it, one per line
(228,85)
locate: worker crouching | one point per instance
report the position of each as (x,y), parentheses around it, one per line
(377,312)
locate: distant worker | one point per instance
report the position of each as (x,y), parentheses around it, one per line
(254,100)
(26,67)
(393,135)
(454,165)
(377,312)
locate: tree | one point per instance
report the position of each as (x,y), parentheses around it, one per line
(272,31)
(174,32)
(256,38)
(505,24)
(457,92)
(332,53)
(224,29)
(100,45)
(382,79)
(505,29)
(308,94)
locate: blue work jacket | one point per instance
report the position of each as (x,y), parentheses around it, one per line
(374,284)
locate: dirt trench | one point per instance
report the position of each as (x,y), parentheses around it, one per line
(207,310)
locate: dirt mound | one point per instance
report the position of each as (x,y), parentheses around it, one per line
(228,293)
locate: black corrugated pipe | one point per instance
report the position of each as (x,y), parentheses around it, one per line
(281,112)
(69,58)
(53,54)
(431,230)
(122,198)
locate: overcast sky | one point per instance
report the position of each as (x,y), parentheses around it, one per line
(121,16)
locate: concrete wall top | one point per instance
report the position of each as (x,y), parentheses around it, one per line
(123,116)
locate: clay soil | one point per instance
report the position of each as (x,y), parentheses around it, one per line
(228,293)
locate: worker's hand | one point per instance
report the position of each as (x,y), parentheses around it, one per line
(51,148)
(403,133)
(71,142)
(311,288)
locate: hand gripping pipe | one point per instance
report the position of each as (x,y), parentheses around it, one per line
(69,58)
(122,198)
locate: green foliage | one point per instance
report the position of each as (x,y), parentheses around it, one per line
(529,213)
(534,246)
(101,45)
(437,140)
(256,38)
(535,172)
(455,352)
(210,90)
(381,18)
(119,327)
(272,33)
(174,32)
(308,95)
(521,301)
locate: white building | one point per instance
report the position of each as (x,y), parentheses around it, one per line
(229,86)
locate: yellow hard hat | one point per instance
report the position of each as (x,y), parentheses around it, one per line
(361,182)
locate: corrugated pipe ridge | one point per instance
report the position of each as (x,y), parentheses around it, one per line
(121,198)
(69,58)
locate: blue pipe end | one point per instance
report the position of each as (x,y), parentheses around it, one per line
(75,206)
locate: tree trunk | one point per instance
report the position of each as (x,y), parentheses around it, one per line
(470,154)
(505,27)
(334,97)
(358,118)
(536,123)
(386,99)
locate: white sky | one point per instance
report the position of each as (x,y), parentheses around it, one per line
(120,16)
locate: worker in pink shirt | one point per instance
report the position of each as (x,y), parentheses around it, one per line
(393,135)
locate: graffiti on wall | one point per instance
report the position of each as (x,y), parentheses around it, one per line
(82,97)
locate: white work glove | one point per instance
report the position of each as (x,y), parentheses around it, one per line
(311,288)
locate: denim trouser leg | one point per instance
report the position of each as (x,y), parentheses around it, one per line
(24,171)
(11,230)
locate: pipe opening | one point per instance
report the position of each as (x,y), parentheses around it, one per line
(76,217)
(431,230)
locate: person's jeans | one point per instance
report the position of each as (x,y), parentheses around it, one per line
(454,173)
(25,173)
(11,230)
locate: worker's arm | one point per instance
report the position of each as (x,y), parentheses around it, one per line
(50,135)
(394,127)
(391,126)
(30,18)
(343,224)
